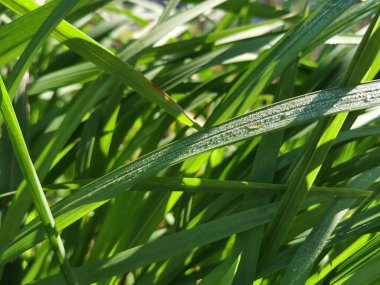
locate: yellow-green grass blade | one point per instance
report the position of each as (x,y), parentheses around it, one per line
(105,59)
(31,177)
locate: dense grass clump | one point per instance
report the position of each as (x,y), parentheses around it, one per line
(210,142)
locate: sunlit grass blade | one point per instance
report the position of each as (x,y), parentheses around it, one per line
(31,177)
(105,59)
(25,60)
(277,188)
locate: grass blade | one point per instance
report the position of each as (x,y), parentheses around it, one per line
(102,57)
(31,177)
(276,117)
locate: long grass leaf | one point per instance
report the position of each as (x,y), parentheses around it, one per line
(31,177)
(275,117)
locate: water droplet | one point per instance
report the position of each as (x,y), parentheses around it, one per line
(254,127)
(370,97)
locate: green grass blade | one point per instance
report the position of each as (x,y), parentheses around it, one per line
(31,177)
(319,145)
(302,262)
(171,245)
(275,117)
(194,185)
(25,60)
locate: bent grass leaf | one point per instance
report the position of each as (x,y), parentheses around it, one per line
(111,64)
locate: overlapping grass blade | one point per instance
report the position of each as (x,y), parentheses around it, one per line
(310,163)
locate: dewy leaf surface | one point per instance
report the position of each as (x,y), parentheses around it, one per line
(278,116)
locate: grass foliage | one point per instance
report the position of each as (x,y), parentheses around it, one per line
(190,142)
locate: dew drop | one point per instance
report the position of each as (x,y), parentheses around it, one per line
(370,97)
(254,127)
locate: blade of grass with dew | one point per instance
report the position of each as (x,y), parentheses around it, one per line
(299,110)
(263,70)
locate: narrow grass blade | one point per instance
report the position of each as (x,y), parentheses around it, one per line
(25,60)
(318,146)
(31,177)
(171,245)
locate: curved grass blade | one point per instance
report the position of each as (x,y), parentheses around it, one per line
(111,64)
(31,177)
(275,117)
(302,262)
(25,60)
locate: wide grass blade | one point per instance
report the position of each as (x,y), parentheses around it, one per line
(278,116)
(277,188)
